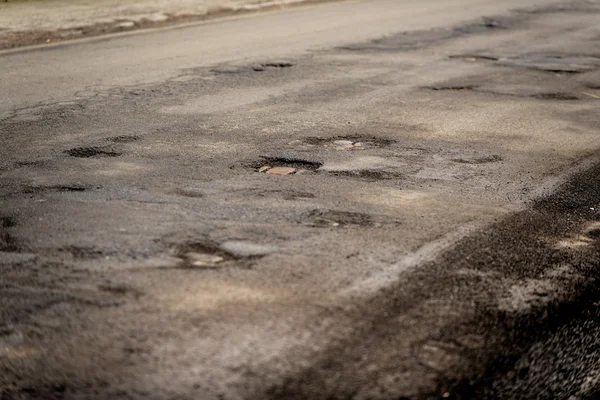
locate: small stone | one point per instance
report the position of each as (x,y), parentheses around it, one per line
(281,171)
(345,147)
(358,144)
(343,143)
(126,25)
(264,168)
(295,142)
(302,171)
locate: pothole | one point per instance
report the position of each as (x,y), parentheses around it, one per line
(123,139)
(236,69)
(201,254)
(553,63)
(555,96)
(55,188)
(284,165)
(474,57)
(346,142)
(206,254)
(458,88)
(478,160)
(333,218)
(88,152)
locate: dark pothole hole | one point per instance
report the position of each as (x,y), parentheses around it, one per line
(457,88)
(478,160)
(54,188)
(366,140)
(286,161)
(555,96)
(123,139)
(88,152)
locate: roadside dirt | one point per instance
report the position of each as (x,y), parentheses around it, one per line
(24,23)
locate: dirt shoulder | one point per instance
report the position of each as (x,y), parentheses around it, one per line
(31,22)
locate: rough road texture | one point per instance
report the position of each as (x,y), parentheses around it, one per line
(399,217)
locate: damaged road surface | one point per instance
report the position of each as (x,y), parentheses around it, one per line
(356,200)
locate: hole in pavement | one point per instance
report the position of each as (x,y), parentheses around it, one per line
(323,218)
(478,160)
(594,233)
(593,86)
(234,69)
(123,139)
(571,64)
(369,175)
(55,188)
(366,140)
(278,64)
(204,254)
(295,163)
(452,88)
(87,152)
(555,96)
(474,57)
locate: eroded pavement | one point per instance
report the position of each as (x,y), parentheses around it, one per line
(417,240)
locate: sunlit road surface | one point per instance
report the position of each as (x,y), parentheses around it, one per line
(356,200)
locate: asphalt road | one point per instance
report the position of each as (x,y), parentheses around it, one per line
(357,200)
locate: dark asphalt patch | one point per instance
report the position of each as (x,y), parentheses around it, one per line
(556,96)
(478,160)
(8,222)
(474,57)
(123,139)
(8,242)
(88,152)
(54,188)
(457,88)
(594,233)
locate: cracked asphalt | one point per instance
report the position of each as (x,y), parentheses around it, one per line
(357,200)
